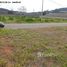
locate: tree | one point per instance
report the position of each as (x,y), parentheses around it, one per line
(45,12)
(22,9)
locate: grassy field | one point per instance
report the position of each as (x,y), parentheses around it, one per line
(21,19)
(45,47)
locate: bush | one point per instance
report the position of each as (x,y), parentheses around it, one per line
(10,18)
(29,20)
(3,18)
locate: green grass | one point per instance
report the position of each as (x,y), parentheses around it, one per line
(34,47)
(21,19)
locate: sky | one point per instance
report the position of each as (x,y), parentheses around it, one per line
(34,5)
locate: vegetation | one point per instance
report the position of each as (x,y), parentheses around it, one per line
(21,19)
(33,47)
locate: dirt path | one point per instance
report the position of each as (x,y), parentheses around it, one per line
(33,25)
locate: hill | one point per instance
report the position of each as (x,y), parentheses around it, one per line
(59,10)
(59,13)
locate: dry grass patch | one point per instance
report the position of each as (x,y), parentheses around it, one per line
(44,47)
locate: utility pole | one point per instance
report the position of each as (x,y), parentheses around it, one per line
(42,6)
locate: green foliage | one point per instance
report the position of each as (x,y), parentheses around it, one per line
(24,19)
(29,20)
(10,18)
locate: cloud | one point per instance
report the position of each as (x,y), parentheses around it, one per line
(35,5)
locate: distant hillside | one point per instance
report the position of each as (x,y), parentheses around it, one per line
(57,13)
(2,9)
(59,10)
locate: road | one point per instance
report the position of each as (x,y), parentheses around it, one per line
(33,25)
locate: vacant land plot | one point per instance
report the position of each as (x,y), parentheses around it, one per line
(21,19)
(45,47)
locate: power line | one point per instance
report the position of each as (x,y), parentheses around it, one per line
(57,3)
